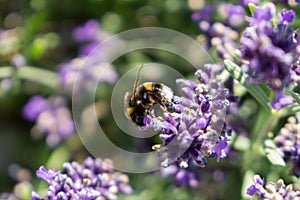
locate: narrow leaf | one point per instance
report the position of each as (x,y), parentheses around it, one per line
(295,95)
(258,92)
(60,155)
(272,153)
(251,7)
(6,72)
(42,76)
(241,143)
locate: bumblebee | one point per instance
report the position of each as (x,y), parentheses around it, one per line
(139,103)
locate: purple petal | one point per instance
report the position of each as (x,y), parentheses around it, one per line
(286,17)
(124,188)
(34,107)
(220,147)
(88,32)
(262,14)
(201,122)
(47,175)
(252,190)
(35,196)
(258,180)
(281,100)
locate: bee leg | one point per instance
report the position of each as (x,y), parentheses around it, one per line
(151,114)
(163,106)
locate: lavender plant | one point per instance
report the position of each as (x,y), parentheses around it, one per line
(52,118)
(272,52)
(287,141)
(242,112)
(91,180)
(272,190)
(196,130)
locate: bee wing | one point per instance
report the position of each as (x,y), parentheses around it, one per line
(126,104)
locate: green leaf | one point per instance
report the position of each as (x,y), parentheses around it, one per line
(24,190)
(257,91)
(241,143)
(272,153)
(6,72)
(290,110)
(251,7)
(295,95)
(59,156)
(38,75)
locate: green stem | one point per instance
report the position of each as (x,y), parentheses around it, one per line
(42,76)
(6,72)
(257,91)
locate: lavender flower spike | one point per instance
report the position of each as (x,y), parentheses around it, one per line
(272,53)
(90,180)
(52,118)
(288,143)
(271,191)
(195,129)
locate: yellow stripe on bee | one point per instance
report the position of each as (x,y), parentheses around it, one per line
(130,110)
(148,86)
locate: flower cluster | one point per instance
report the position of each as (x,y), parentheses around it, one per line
(91,63)
(220,34)
(288,142)
(182,176)
(271,191)
(272,53)
(194,128)
(51,116)
(93,179)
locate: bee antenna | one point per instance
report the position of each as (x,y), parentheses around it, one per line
(137,80)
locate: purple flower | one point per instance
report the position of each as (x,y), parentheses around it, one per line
(91,180)
(204,14)
(47,175)
(271,191)
(281,100)
(288,143)
(88,32)
(86,72)
(257,187)
(93,62)
(286,17)
(34,107)
(271,54)
(234,15)
(197,130)
(262,14)
(220,148)
(182,176)
(220,32)
(18,60)
(52,117)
